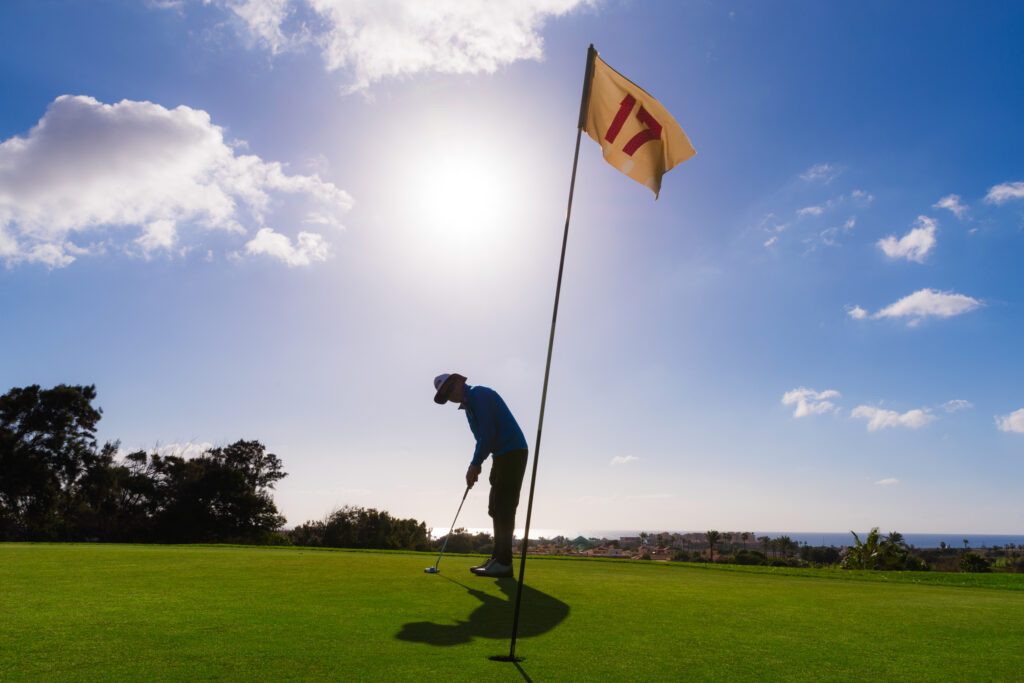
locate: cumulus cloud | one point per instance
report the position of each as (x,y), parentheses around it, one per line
(810,211)
(809,401)
(1014,422)
(915,245)
(951,202)
(888,481)
(372,40)
(309,247)
(856,312)
(956,404)
(826,173)
(929,302)
(1000,194)
(879,418)
(623,459)
(92,177)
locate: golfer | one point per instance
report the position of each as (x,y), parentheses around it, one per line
(497,434)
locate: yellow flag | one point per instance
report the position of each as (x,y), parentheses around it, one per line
(638,135)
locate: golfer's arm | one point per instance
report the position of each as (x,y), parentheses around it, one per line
(485,434)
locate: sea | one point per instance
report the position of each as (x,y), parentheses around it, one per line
(814,538)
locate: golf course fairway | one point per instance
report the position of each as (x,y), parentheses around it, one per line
(134,612)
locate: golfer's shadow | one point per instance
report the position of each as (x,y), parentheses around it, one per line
(539,613)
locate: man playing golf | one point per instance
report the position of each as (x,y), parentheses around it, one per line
(497,433)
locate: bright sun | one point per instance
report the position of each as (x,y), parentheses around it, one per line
(463,200)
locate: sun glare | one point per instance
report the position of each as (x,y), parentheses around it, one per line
(463,201)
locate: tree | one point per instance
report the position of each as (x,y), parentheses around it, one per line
(356,527)
(877,553)
(712,537)
(973,562)
(747,556)
(745,535)
(766,543)
(47,445)
(786,545)
(863,555)
(221,496)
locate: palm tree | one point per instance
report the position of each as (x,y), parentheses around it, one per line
(866,555)
(895,550)
(766,541)
(895,538)
(786,545)
(745,535)
(712,537)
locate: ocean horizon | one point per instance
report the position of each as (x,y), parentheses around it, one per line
(813,538)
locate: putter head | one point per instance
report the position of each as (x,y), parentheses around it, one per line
(432,570)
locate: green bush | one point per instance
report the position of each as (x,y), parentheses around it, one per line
(973,562)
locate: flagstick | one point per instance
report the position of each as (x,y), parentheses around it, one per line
(584,101)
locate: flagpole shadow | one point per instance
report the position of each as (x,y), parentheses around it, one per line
(492,618)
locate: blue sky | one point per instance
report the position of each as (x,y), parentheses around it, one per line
(279,219)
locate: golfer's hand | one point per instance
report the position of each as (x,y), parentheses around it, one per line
(472,474)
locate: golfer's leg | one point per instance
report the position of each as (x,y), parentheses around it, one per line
(493,502)
(508,472)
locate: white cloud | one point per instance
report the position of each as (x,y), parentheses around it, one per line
(913,246)
(823,172)
(1014,422)
(157,235)
(1000,194)
(929,302)
(91,175)
(888,481)
(372,40)
(265,18)
(856,312)
(809,401)
(951,202)
(309,247)
(862,197)
(770,224)
(771,240)
(879,418)
(956,404)
(623,459)
(186,450)
(810,211)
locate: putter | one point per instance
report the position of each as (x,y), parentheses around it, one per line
(434,569)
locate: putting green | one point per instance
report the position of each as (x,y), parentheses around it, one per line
(93,612)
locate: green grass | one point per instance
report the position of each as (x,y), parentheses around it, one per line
(111,612)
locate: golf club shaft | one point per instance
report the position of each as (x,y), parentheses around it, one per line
(445,545)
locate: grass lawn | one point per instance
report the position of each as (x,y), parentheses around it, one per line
(123,612)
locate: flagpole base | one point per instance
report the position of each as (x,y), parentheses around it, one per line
(505,658)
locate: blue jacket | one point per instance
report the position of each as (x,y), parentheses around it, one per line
(495,429)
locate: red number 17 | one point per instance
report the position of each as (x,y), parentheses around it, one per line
(651,132)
